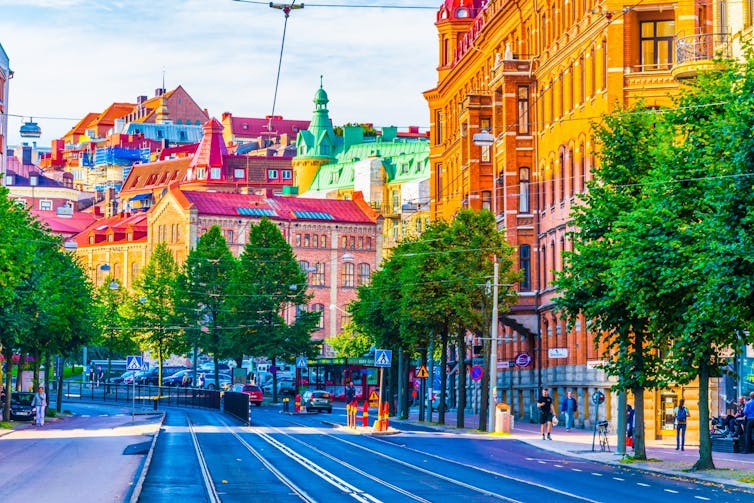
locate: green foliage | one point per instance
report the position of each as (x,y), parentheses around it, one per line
(351,343)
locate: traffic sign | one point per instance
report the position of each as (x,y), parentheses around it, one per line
(133,362)
(476,373)
(523,359)
(422,373)
(301,362)
(598,397)
(373,396)
(382,357)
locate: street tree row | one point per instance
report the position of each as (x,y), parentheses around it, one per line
(663,244)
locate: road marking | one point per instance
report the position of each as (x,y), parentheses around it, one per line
(597,474)
(619,479)
(671,491)
(577,469)
(542,462)
(701,498)
(558,466)
(204,468)
(642,484)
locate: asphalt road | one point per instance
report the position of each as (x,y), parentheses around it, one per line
(205,456)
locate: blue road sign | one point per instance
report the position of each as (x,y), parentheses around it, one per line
(382,357)
(133,362)
(301,362)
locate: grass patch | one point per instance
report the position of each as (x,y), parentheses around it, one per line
(748,479)
(6,425)
(628,459)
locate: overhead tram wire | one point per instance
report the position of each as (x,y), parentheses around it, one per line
(286,8)
(351,6)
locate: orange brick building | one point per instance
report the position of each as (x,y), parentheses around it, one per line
(536,75)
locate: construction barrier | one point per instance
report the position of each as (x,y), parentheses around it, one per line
(365,414)
(386,416)
(297,404)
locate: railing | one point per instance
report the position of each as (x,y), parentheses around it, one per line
(148,396)
(705,46)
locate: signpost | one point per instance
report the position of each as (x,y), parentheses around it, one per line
(476,373)
(382,359)
(134,363)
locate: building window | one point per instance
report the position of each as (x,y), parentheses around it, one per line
(604,64)
(365,271)
(593,73)
(438,127)
(368,243)
(229,236)
(272,174)
(298,240)
(239,173)
(523,110)
(487,200)
(348,273)
(318,275)
(657,44)
(45,205)
(323,241)
(582,167)
(214,173)
(524,265)
(304,266)
(582,79)
(287,174)
(484,124)
(307,242)
(315,240)
(319,308)
(523,190)
(563,174)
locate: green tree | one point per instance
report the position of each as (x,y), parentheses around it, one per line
(114,329)
(152,312)
(351,343)
(610,268)
(201,291)
(267,284)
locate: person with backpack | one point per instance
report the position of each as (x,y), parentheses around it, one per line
(681,416)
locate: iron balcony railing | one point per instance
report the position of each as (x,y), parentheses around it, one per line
(702,47)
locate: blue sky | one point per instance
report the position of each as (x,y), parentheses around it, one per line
(71,57)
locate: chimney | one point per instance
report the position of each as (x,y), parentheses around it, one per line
(26,155)
(140,99)
(159,91)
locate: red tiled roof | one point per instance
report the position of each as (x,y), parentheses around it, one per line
(249,127)
(279,207)
(65,225)
(118,224)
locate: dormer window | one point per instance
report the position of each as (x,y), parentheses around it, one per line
(215,173)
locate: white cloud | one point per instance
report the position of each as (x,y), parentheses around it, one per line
(73,57)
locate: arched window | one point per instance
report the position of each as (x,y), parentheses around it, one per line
(365,271)
(582,167)
(523,191)
(571,173)
(348,273)
(604,64)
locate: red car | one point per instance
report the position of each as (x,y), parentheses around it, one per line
(254,392)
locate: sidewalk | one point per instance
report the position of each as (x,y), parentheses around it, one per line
(662,456)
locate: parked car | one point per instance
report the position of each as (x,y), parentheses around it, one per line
(286,386)
(126,377)
(317,400)
(224,380)
(176,379)
(254,392)
(151,376)
(20,406)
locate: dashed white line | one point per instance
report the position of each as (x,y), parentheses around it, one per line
(542,462)
(558,466)
(576,470)
(701,498)
(642,484)
(671,491)
(597,474)
(619,479)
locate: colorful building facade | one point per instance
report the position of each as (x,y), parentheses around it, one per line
(536,76)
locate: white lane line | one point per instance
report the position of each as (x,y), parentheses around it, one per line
(542,462)
(558,466)
(619,479)
(203,466)
(642,484)
(701,498)
(671,491)
(577,469)
(597,474)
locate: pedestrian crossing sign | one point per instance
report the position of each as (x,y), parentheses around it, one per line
(301,362)
(382,357)
(133,362)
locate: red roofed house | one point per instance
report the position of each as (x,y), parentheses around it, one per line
(261,132)
(209,168)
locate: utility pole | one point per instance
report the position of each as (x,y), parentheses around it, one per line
(493,352)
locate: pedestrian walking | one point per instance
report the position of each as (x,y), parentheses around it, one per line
(39,402)
(681,417)
(749,424)
(350,392)
(630,421)
(100,375)
(569,408)
(200,380)
(546,413)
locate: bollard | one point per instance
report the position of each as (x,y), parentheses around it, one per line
(155,403)
(365,414)
(298,403)
(386,416)
(285,404)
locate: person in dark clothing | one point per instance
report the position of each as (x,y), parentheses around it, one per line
(546,413)
(629,421)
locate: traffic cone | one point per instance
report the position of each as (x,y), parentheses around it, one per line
(365,414)
(386,416)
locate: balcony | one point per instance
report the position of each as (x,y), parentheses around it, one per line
(700,53)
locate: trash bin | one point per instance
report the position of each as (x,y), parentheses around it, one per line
(503,419)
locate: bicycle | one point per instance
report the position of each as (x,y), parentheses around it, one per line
(602,429)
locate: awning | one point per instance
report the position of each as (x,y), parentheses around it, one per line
(141,197)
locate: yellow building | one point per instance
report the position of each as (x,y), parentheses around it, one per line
(536,75)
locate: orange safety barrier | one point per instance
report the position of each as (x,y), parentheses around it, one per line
(386,416)
(298,404)
(365,414)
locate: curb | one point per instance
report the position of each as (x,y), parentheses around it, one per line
(142,475)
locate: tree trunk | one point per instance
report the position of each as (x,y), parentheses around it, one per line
(443,376)
(484,402)
(640,445)
(705,442)
(461,359)
(8,355)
